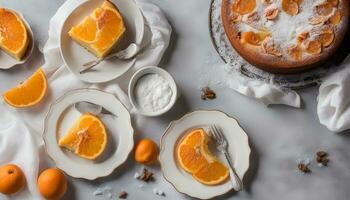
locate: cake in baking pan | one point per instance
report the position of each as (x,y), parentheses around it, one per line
(285,36)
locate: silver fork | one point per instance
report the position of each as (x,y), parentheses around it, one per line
(129,53)
(222,146)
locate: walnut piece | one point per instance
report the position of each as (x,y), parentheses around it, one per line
(122,195)
(207,93)
(146,175)
(304,168)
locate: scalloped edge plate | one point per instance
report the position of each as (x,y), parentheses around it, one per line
(238,149)
(121,130)
(74,55)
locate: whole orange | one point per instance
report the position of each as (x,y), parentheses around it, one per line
(52,184)
(146,152)
(11,179)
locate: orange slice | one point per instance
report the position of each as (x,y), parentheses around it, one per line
(28,93)
(314,47)
(14,38)
(271,48)
(319,19)
(194,157)
(243,7)
(324,9)
(101,31)
(326,37)
(302,37)
(291,7)
(295,52)
(335,18)
(333,2)
(87,138)
(253,38)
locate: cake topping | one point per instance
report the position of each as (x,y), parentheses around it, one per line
(333,2)
(335,18)
(314,47)
(270,47)
(326,37)
(243,6)
(295,52)
(302,37)
(267,2)
(271,13)
(324,9)
(291,6)
(254,38)
(316,20)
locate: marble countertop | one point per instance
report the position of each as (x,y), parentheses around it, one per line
(279,135)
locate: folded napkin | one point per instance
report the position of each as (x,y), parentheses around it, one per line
(333,106)
(60,81)
(265,92)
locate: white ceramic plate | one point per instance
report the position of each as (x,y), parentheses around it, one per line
(183,182)
(75,56)
(7,61)
(61,117)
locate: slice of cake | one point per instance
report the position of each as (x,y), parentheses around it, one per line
(101,31)
(14,38)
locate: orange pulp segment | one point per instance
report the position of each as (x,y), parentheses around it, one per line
(87,138)
(28,93)
(14,38)
(194,157)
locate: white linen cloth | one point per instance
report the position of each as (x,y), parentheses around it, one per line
(21,139)
(333,106)
(265,92)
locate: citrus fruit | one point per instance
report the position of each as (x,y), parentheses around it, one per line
(314,47)
(87,138)
(11,179)
(146,152)
(254,38)
(28,93)
(52,184)
(295,52)
(101,31)
(14,38)
(243,7)
(194,157)
(291,7)
(326,37)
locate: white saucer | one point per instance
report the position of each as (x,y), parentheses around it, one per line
(7,61)
(75,56)
(183,182)
(62,115)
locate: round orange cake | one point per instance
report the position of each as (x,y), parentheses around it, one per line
(285,36)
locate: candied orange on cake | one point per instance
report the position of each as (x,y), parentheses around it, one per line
(194,157)
(243,6)
(87,138)
(254,38)
(28,93)
(101,31)
(14,37)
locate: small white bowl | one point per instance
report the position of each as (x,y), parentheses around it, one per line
(152,70)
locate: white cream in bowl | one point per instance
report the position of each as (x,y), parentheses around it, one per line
(152,91)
